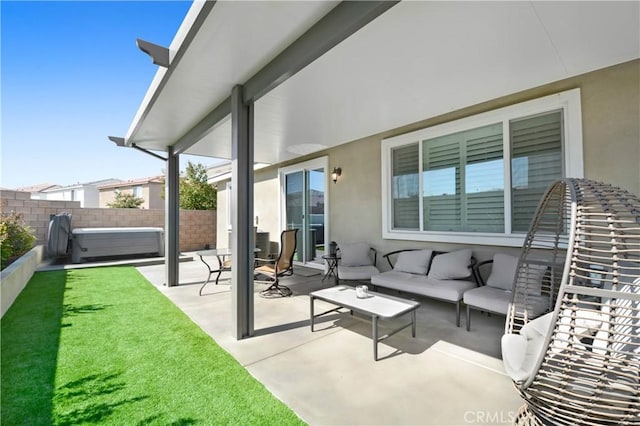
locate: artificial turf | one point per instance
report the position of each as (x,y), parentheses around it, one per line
(103,346)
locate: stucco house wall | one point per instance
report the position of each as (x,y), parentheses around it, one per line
(611,147)
(153,195)
(266,208)
(151,192)
(87,196)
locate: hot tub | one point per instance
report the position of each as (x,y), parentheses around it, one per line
(112,242)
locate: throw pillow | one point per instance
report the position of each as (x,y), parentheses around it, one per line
(503,271)
(451,266)
(413,261)
(355,254)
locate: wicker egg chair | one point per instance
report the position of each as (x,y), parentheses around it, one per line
(572,342)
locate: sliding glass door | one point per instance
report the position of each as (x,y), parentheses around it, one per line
(304,188)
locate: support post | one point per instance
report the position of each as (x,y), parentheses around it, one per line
(242,214)
(171,219)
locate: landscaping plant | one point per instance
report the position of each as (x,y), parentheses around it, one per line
(16,238)
(125,200)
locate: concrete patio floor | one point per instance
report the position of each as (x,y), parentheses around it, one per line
(445,376)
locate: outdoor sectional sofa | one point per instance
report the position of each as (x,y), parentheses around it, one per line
(435,274)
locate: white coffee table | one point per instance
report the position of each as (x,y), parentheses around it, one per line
(376,306)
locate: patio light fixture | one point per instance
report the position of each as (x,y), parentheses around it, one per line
(159,54)
(337,171)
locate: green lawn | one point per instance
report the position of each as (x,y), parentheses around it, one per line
(102,345)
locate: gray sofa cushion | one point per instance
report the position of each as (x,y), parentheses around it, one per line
(451,266)
(503,271)
(449,290)
(497,300)
(355,254)
(413,261)
(356,272)
(533,274)
(489,298)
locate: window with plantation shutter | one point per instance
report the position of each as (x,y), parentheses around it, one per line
(441,184)
(484,183)
(463,181)
(480,179)
(536,162)
(405,187)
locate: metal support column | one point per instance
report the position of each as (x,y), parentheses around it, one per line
(241,214)
(172,220)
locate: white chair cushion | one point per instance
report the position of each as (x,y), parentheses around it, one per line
(451,266)
(575,325)
(413,261)
(520,352)
(355,254)
(503,271)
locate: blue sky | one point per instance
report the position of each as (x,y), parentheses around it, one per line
(71,75)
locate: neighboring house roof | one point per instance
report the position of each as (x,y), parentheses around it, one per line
(103,182)
(93,184)
(133,182)
(41,187)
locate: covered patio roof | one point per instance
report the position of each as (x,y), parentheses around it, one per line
(415,61)
(267,82)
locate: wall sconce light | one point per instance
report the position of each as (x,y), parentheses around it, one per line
(337,171)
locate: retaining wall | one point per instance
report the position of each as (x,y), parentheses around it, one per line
(16,276)
(197,227)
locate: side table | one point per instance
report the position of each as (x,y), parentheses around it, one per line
(332,265)
(223,265)
(220,254)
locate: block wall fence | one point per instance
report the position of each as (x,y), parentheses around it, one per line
(197,227)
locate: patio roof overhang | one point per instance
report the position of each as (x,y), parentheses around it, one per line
(271,81)
(414,61)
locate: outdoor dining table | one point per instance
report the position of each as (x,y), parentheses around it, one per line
(220,255)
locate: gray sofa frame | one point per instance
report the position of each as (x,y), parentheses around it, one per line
(424,286)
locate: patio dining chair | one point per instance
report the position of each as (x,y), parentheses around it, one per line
(273,270)
(580,362)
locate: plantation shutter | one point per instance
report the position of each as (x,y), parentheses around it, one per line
(484,180)
(464,181)
(442,209)
(405,163)
(536,162)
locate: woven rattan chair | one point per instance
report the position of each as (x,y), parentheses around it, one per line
(580,362)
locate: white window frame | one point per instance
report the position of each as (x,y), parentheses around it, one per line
(568,101)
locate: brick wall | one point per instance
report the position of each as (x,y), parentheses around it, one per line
(197,227)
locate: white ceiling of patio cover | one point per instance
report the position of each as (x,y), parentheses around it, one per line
(417,60)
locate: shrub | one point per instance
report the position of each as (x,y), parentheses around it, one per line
(16,238)
(125,200)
